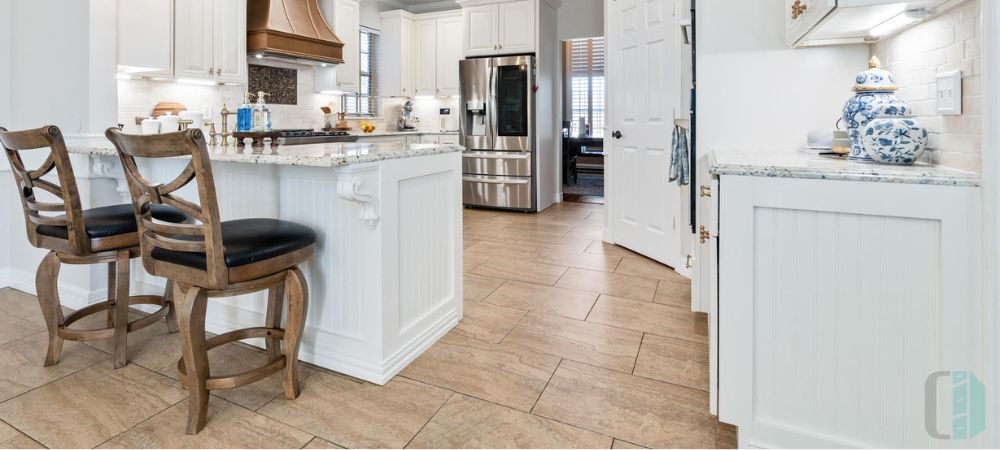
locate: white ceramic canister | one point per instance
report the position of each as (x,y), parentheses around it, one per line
(150,126)
(197,118)
(169,123)
(874,97)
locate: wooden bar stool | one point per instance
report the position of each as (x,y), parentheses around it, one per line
(77,236)
(217,259)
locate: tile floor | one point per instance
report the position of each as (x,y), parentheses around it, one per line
(566,342)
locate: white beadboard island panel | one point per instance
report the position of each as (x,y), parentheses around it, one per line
(837,300)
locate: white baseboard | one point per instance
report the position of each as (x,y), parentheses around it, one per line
(70,296)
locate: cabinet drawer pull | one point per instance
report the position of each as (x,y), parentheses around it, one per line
(494,181)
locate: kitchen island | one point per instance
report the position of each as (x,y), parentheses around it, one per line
(386,281)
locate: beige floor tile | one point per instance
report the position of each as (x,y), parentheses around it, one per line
(726,436)
(645,267)
(591,343)
(624,444)
(604,248)
(92,405)
(21,363)
(520,270)
(543,299)
(542,228)
(501,236)
(20,440)
(674,361)
(152,347)
(661,320)
(587,231)
(7,431)
(359,415)
(228,426)
(471,260)
(467,422)
(673,293)
(490,372)
(478,287)
(579,260)
(487,322)
(509,249)
(626,286)
(635,409)
(546,244)
(321,443)
(13,328)
(20,304)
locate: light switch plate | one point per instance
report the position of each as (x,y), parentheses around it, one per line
(949,93)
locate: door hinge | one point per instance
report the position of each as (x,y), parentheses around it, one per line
(703,234)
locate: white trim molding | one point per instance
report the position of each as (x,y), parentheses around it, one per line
(991,223)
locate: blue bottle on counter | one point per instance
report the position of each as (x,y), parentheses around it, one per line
(244,114)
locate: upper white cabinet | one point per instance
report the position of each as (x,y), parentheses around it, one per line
(499,28)
(146,37)
(810,23)
(436,53)
(449,53)
(425,50)
(210,40)
(396,54)
(348,29)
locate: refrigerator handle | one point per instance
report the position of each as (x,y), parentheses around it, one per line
(492,110)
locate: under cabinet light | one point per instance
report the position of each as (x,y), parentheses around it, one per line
(198,82)
(899,21)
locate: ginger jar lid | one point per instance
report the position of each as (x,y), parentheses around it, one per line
(875,79)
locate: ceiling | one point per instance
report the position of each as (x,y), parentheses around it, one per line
(419,6)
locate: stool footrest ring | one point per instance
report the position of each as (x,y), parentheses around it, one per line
(242,378)
(106,333)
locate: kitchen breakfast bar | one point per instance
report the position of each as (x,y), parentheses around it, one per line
(385,282)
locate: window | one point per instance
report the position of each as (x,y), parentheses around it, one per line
(366,103)
(585,85)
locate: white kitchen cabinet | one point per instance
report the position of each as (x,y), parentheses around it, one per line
(347,25)
(449,53)
(396,140)
(840,298)
(499,28)
(481,24)
(146,37)
(425,52)
(395,57)
(810,23)
(210,40)
(449,139)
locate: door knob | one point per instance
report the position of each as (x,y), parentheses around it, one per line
(617,134)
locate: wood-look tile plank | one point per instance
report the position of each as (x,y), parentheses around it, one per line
(647,268)
(359,415)
(586,342)
(13,328)
(229,426)
(509,249)
(635,409)
(626,286)
(478,287)
(88,407)
(579,260)
(521,270)
(487,371)
(674,361)
(673,293)
(547,244)
(544,299)
(467,422)
(21,363)
(540,228)
(624,444)
(487,322)
(320,443)
(604,248)
(661,320)
(726,436)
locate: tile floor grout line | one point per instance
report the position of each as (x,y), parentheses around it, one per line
(429,419)
(635,362)
(512,328)
(542,392)
(146,419)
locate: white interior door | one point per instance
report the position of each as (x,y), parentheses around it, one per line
(642,75)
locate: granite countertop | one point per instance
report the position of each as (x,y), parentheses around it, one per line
(386,133)
(816,167)
(310,155)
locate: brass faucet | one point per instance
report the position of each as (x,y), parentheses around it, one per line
(225,133)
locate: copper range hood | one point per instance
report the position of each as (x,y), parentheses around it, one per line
(291,29)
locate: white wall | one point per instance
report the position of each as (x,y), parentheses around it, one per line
(5,6)
(581,19)
(370,14)
(754,93)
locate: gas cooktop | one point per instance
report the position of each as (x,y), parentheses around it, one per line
(303,136)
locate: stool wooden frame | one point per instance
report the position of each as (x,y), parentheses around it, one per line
(279,275)
(77,248)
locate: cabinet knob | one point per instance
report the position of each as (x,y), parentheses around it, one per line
(798,8)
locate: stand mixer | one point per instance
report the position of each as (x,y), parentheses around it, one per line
(406,120)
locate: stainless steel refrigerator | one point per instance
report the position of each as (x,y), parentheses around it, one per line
(498,132)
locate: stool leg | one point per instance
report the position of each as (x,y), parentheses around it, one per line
(112,273)
(120,306)
(191,319)
(298,299)
(46,284)
(168,298)
(275,303)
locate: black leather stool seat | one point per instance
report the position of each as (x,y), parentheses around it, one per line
(114,220)
(246,241)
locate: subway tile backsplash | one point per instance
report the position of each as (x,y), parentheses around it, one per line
(950,41)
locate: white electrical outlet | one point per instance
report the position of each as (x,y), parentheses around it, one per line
(949,93)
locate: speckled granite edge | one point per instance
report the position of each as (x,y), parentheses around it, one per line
(849,171)
(338,160)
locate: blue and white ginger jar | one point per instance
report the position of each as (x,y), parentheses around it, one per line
(875,97)
(892,140)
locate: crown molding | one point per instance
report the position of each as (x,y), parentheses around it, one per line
(441,5)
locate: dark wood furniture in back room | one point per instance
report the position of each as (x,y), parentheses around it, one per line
(77,236)
(258,254)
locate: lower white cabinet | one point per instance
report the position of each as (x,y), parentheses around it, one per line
(838,301)
(400,140)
